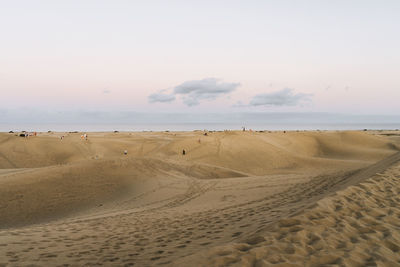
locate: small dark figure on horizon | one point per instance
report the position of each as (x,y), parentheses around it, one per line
(183,152)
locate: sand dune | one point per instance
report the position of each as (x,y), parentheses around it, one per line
(233,198)
(358,226)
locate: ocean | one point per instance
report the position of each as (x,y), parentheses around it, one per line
(109,127)
(134,121)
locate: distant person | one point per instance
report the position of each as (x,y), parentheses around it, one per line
(125,152)
(183,152)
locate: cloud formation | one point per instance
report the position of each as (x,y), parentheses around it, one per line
(210,88)
(161,97)
(284,97)
(192,92)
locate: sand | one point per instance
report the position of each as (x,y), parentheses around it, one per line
(235,198)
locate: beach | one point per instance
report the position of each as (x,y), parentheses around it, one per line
(234,198)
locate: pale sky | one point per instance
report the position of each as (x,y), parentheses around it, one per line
(303,56)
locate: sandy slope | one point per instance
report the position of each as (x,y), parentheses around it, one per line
(84,202)
(358,226)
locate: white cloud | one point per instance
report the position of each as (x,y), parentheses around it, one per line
(161,97)
(193,92)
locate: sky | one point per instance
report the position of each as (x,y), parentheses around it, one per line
(201,56)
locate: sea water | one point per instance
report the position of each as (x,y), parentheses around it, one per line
(135,127)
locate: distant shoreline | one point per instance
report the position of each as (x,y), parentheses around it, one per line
(188,127)
(205,130)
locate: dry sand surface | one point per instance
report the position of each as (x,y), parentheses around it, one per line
(235,198)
